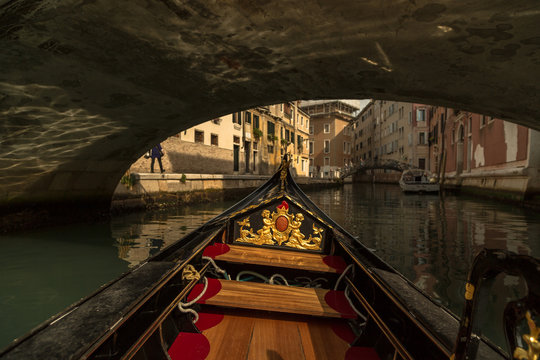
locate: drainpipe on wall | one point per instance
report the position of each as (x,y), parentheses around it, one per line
(428,165)
(442,163)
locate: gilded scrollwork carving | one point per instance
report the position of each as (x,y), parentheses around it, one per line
(533,353)
(282,229)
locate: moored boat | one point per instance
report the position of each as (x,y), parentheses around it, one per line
(420,181)
(272,277)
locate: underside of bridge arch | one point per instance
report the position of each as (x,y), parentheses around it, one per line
(87,86)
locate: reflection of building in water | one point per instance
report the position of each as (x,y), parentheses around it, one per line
(138,240)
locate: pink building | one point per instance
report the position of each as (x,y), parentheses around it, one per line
(477,151)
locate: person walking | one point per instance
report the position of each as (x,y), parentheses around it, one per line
(156,153)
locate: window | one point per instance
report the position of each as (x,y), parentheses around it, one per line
(422,138)
(270,149)
(327,128)
(422,163)
(237,118)
(311,147)
(311,130)
(271,127)
(216,121)
(326,161)
(236,139)
(256,121)
(199,136)
(483,121)
(326,146)
(255,145)
(287,136)
(214,139)
(420,115)
(247,117)
(292,137)
(301,121)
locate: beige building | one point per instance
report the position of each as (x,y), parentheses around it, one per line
(245,142)
(330,143)
(390,130)
(292,126)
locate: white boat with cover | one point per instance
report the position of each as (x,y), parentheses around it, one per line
(417,180)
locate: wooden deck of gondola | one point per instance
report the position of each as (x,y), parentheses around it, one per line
(282,258)
(274,336)
(276,298)
(241,334)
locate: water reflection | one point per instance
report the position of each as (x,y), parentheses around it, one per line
(433,240)
(43,272)
(139,236)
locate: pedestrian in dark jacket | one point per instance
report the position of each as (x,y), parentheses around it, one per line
(156,153)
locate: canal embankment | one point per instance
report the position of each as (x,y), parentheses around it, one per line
(144,191)
(519,186)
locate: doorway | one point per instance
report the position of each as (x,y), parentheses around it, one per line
(236,158)
(247,152)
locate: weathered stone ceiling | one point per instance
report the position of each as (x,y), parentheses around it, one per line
(87,86)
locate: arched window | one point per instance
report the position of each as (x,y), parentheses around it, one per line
(461,134)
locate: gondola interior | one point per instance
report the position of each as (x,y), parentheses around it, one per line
(271,278)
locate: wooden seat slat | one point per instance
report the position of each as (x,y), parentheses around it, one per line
(277,298)
(283,335)
(277,258)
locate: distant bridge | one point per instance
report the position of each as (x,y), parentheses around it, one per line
(376,164)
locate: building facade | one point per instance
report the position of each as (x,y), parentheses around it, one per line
(330,141)
(478,151)
(246,142)
(386,130)
(463,148)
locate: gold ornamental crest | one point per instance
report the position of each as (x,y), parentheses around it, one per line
(282,229)
(531,339)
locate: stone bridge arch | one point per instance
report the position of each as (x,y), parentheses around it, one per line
(87,86)
(375,164)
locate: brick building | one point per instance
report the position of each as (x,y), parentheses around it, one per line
(465,149)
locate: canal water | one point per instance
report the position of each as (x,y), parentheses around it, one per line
(432,240)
